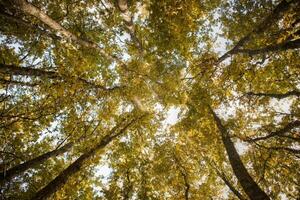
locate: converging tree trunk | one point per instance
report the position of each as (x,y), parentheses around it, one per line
(229,185)
(6,176)
(250,187)
(222,175)
(30,9)
(76,166)
(274,16)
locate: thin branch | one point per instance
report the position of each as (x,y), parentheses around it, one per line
(276,95)
(277,133)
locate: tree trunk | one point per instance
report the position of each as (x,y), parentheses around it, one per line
(30,9)
(224,178)
(10,18)
(6,176)
(274,16)
(230,186)
(77,165)
(250,187)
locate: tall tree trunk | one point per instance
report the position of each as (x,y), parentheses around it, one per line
(10,18)
(30,9)
(229,185)
(250,187)
(77,165)
(274,16)
(224,178)
(6,176)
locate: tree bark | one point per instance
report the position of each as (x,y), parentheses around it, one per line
(224,178)
(274,16)
(30,9)
(77,165)
(250,187)
(6,176)
(230,186)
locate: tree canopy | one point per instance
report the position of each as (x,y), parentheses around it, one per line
(148,99)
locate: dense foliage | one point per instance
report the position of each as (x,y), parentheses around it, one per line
(148,99)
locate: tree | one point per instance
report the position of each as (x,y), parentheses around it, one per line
(89,91)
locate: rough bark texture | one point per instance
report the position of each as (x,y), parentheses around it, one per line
(77,165)
(250,187)
(16,170)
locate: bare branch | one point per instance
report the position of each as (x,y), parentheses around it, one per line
(277,133)
(276,95)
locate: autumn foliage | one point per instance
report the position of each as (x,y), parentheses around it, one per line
(149,99)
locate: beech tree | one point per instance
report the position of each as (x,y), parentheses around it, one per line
(172,99)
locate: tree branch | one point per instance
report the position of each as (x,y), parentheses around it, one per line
(28,71)
(295,44)
(277,133)
(276,95)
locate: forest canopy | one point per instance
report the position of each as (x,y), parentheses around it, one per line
(149,99)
